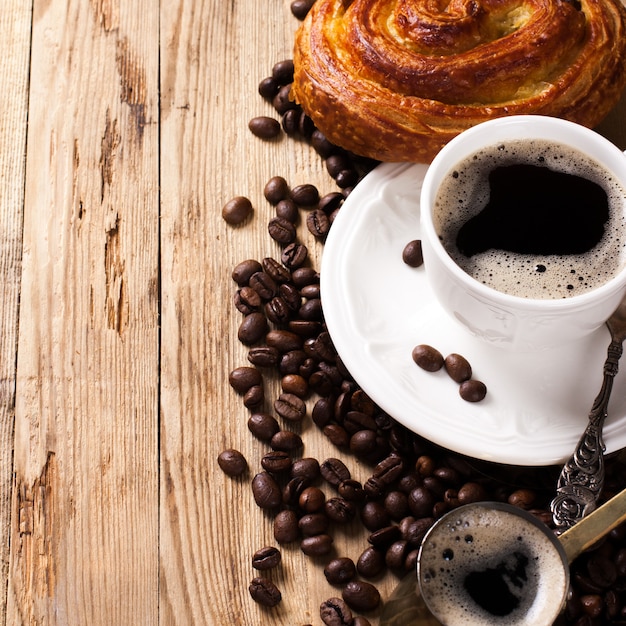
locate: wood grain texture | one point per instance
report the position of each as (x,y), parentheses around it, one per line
(113,510)
(84,533)
(15,21)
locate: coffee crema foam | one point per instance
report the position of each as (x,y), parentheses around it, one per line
(464,192)
(475,539)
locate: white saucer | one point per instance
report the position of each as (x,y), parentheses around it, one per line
(377,309)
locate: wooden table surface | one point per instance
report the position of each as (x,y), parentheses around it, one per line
(123,131)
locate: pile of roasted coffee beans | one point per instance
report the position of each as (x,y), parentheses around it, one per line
(412,482)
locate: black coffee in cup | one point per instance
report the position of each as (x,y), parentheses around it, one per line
(534,219)
(481,565)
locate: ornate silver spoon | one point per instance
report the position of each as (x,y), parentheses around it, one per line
(582,476)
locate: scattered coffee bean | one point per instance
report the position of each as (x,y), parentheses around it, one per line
(312,500)
(458,367)
(264,127)
(252,328)
(428,358)
(264,592)
(412,253)
(232,462)
(318,545)
(283,71)
(286,528)
(243,271)
(305,195)
(334,471)
(301,8)
(281,230)
(290,407)
(361,596)
(339,571)
(335,612)
(286,440)
(371,562)
(473,390)
(266,558)
(263,426)
(242,378)
(237,210)
(312,524)
(276,189)
(276,462)
(266,491)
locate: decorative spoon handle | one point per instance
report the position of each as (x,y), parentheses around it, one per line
(582,477)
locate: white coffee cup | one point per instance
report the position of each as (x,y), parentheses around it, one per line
(500,318)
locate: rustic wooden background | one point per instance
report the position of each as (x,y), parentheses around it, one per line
(123,131)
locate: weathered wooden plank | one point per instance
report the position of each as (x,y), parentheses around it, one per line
(84,535)
(15,20)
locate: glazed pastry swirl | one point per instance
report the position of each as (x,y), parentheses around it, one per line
(396,79)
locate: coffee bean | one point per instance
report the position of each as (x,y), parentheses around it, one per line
(340,571)
(283,340)
(361,596)
(318,223)
(276,189)
(318,545)
(303,276)
(334,471)
(282,71)
(291,122)
(305,195)
(321,145)
(473,390)
(266,558)
(351,490)
(364,442)
(237,210)
(264,592)
(301,8)
(290,294)
(287,209)
(264,356)
(384,537)
(232,462)
(312,524)
(290,407)
(312,500)
(428,358)
(242,378)
(281,230)
(254,397)
(249,298)
(286,441)
(370,563)
(243,271)
(282,101)
(523,498)
(412,253)
(458,367)
(396,504)
(268,88)
(264,127)
(307,467)
(277,310)
(335,612)
(266,491)
(294,255)
(413,532)
(293,490)
(471,492)
(336,434)
(264,285)
(276,462)
(286,527)
(396,555)
(421,502)
(347,178)
(263,426)
(340,510)
(252,328)
(294,384)
(374,516)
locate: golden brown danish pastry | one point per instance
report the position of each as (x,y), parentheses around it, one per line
(397,79)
